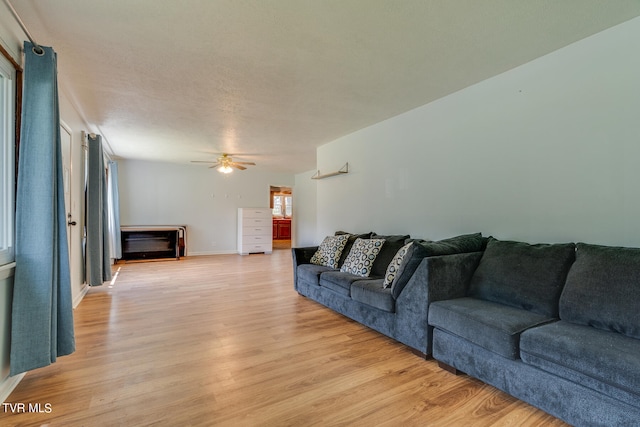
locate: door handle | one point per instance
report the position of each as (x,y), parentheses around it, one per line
(72,222)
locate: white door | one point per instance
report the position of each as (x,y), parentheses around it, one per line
(73,225)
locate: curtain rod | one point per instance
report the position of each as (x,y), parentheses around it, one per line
(36,47)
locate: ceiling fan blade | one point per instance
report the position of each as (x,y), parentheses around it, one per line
(225,160)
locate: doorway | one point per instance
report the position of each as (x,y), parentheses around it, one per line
(281,204)
(72,209)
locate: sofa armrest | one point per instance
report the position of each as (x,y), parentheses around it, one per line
(443,277)
(436,278)
(303,255)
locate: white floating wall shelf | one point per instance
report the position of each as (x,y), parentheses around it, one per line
(343,169)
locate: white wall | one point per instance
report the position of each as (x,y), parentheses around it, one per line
(546,152)
(156,193)
(304,210)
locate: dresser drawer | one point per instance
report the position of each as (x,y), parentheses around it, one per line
(257,230)
(256,213)
(252,222)
(250,240)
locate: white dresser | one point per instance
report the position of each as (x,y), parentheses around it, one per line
(255,226)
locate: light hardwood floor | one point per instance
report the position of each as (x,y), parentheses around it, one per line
(225,340)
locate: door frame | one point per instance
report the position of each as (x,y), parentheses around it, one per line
(74,212)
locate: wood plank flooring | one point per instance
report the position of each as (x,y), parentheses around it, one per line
(226,341)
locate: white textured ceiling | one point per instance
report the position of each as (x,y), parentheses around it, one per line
(271,80)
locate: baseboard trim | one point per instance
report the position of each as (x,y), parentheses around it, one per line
(8,385)
(80,296)
(204,253)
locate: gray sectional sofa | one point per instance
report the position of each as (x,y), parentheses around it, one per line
(398,311)
(557,326)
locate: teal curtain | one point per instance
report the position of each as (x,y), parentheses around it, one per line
(42,313)
(97,215)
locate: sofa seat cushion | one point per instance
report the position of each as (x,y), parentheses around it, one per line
(603,289)
(522,275)
(495,327)
(339,281)
(310,273)
(372,293)
(602,360)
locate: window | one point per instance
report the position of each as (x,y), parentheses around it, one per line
(7,160)
(282,205)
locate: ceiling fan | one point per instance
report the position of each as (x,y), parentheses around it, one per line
(225,164)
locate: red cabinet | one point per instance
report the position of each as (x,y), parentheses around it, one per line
(281,229)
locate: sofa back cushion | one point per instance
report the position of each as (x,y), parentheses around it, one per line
(523,275)
(421,248)
(603,289)
(392,245)
(464,243)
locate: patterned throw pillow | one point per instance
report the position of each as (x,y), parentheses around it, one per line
(361,257)
(394,266)
(329,251)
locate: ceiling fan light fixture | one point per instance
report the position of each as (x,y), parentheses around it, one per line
(225,164)
(225,169)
